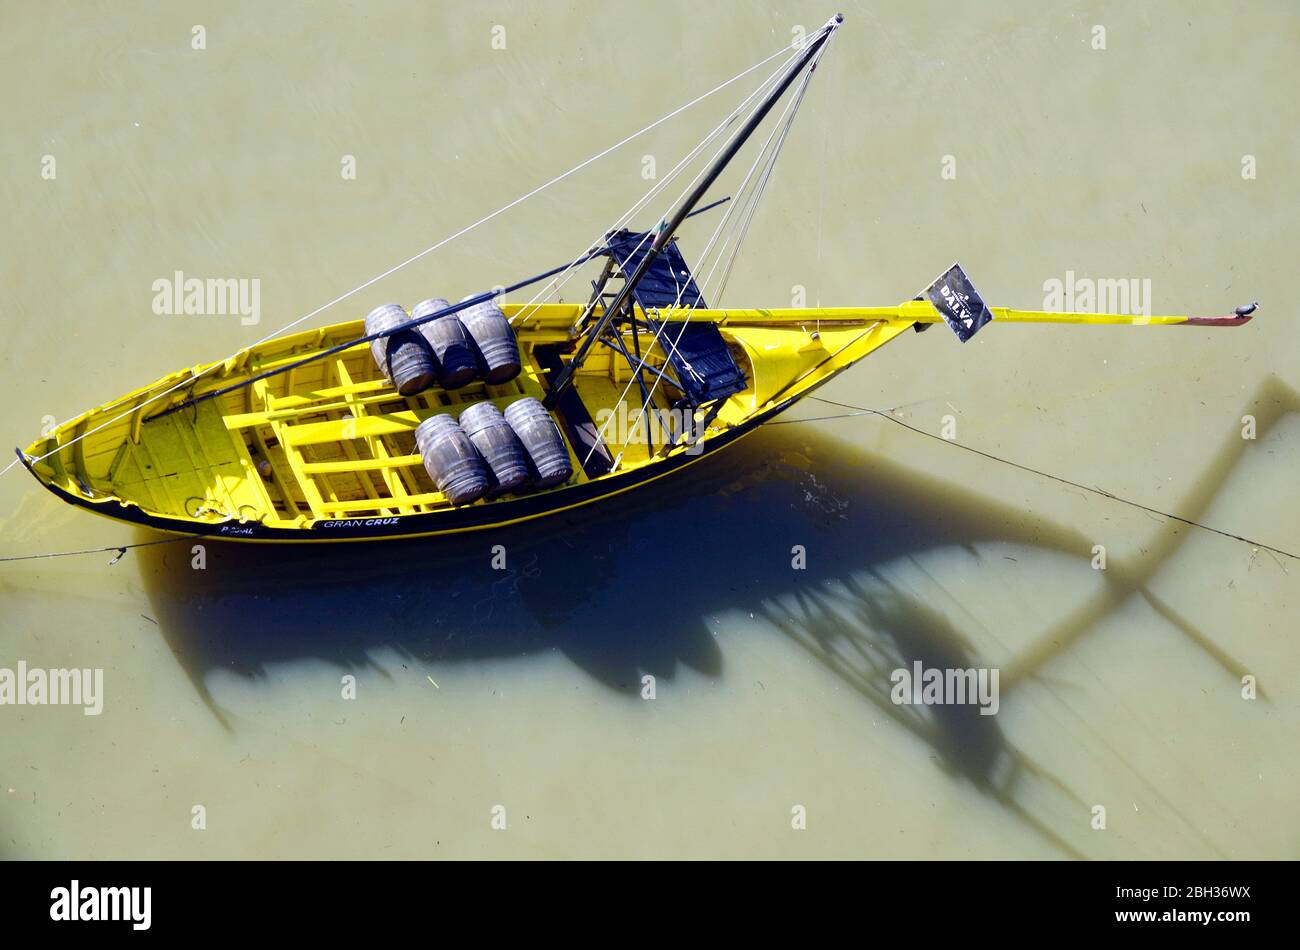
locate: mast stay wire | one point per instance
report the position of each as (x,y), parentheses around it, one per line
(524,313)
(410,260)
(792,105)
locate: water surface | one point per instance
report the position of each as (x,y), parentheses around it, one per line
(477,688)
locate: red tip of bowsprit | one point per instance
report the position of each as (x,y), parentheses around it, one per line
(1240,315)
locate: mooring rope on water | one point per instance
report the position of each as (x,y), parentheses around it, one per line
(854,412)
(120,549)
(888,414)
(743,210)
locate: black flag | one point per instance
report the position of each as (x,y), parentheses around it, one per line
(961,306)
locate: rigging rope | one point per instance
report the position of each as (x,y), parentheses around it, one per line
(730,120)
(790,108)
(524,312)
(410,260)
(739,231)
(717,295)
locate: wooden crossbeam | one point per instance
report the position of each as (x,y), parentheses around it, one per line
(363,465)
(378,451)
(367,504)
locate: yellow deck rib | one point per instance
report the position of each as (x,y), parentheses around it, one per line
(244,420)
(309,490)
(79,454)
(277,477)
(289,501)
(364,465)
(250,486)
(350,389)
(316,433)
(328,484)
(365,504)
(137,420)
(363,478)
(379,451)
(376,446)
(308,487)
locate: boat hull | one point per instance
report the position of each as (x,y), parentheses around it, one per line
(133,469)
(453,521)
(245,452)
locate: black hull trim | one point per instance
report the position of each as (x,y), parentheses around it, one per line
(471,518)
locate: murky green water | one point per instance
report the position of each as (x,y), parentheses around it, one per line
(477,688)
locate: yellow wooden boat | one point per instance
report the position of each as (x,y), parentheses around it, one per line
(326,452)
(305,437)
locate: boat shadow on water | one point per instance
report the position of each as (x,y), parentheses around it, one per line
(629,587)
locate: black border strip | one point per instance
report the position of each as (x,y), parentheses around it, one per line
(470,518)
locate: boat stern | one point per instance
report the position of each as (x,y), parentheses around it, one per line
(48,469)
(109,462)
(56,471)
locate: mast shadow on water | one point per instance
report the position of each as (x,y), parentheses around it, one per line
(620,588)
(629,587)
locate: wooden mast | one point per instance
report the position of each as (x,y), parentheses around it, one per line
(669,226)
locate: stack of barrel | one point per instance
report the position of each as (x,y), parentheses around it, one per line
(488,453)
(450,351)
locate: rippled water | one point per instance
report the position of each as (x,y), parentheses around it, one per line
(523,689)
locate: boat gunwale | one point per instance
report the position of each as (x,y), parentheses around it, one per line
(476,517)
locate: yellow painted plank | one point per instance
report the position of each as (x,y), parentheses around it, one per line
(308,487)
(367,504)
(362,465)
(376,446)
(165,483)
(290,502)
(365,427)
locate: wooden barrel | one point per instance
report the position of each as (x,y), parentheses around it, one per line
(457,364)
(451,459)
(426,307)
(506,457)
(541,437)
(405,357)
(495,339)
